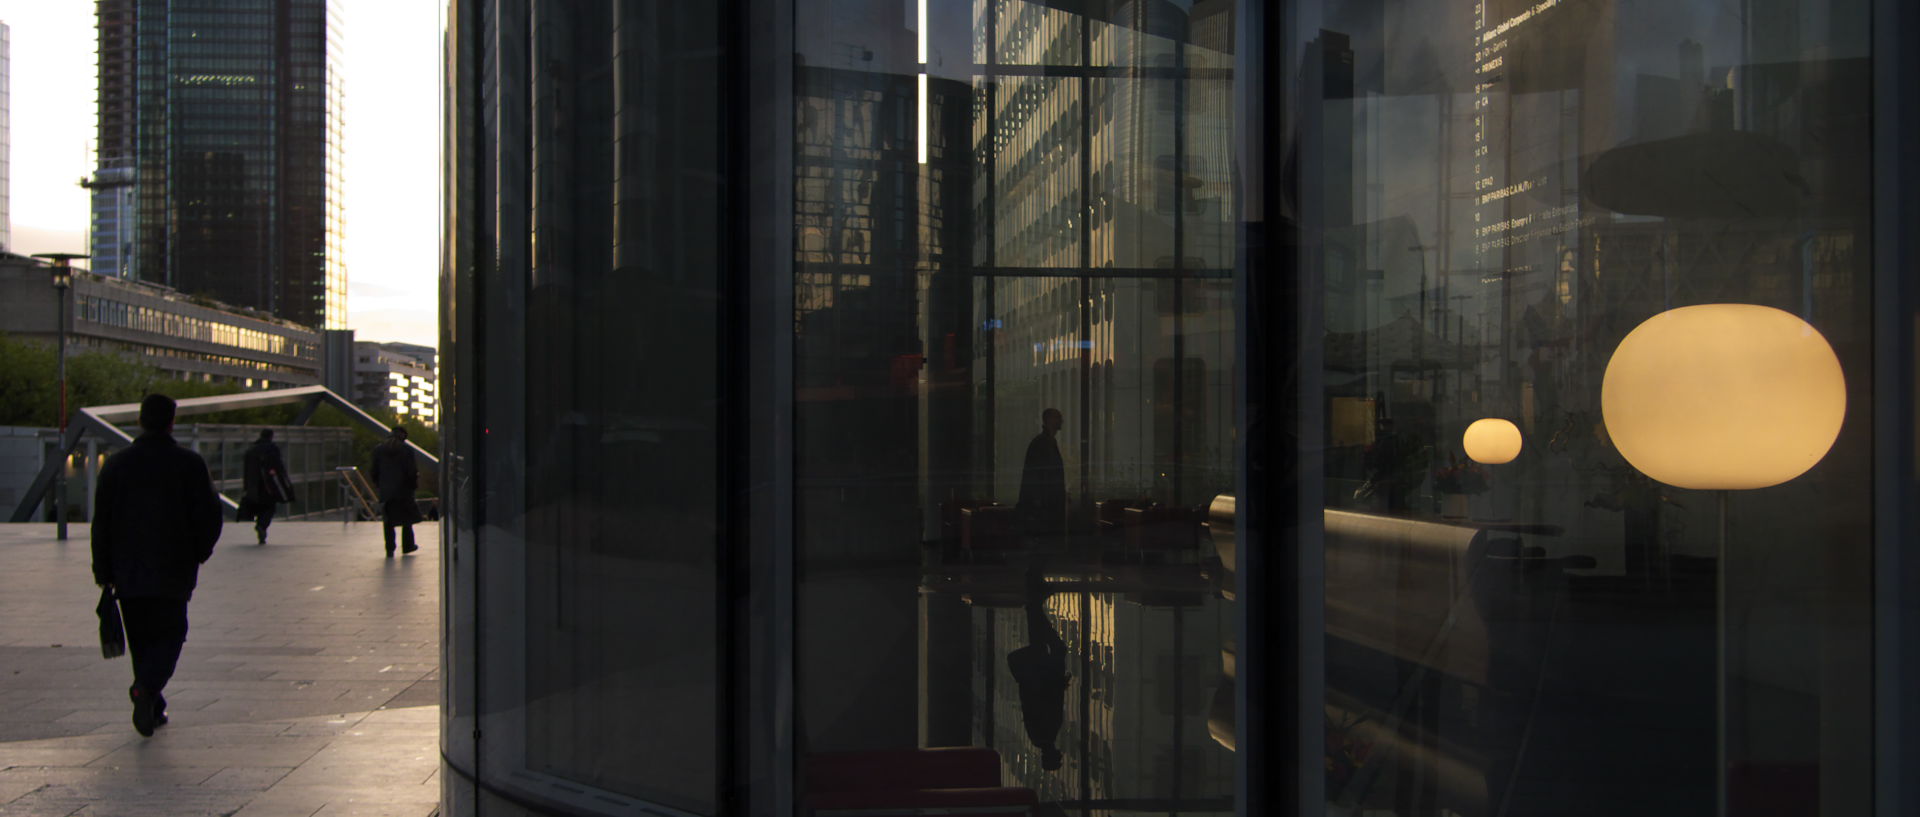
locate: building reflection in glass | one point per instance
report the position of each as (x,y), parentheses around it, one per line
(1018,395)
(1491,196)
(1503,191)
(1066,245)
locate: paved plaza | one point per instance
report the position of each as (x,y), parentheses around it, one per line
(309,686)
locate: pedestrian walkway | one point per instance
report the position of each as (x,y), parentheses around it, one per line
(309,686)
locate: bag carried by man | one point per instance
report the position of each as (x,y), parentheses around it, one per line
(265,480)
(113,633)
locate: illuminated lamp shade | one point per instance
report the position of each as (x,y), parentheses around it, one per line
(1723,397)
(1491,441)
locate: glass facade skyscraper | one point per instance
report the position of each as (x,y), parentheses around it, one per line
(219,138)
(1047,407)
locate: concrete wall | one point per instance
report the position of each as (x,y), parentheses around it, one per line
(19,460)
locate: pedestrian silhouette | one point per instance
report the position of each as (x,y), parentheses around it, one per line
(396,477)
(1043,480)
(264,475)
(1039,672)
(156,519)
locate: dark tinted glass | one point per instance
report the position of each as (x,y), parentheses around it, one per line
(588,456)
(1496,196)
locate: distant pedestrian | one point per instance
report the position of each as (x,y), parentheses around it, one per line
(1043,480)
(266,484)
(156,519)
(396,477)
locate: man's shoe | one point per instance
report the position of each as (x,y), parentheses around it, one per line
(263,536)
(144,711)
(409,548)
(160,709)
(389,551)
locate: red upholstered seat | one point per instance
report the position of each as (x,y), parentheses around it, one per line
(1018,802)
(955,767)
(910,783)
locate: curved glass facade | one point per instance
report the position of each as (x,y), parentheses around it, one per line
(591,480)
(1034,407)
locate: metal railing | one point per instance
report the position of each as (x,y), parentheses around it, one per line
(361,491)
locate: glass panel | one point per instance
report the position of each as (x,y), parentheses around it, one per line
(622,479)
(1496,194)
(1015,406)
(589,422)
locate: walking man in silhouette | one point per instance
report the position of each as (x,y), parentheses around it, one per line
(1043,481)
(156,519)
(265,478)
(396,477)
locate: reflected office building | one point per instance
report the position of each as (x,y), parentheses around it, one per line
(1034,407)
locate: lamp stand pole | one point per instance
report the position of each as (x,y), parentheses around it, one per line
(61,264)
(60,475)
(1720,694)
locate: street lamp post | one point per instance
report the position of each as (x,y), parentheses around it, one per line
(62,284)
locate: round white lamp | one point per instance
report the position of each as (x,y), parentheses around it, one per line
(1491,441)
(1723,397)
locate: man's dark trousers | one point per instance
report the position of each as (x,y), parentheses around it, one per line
(406,534)
(156,630)
(263,516)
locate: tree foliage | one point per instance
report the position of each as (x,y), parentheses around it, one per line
(30,384)
(29,396)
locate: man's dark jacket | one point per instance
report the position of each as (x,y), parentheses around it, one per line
(155,520)
(1043,486)
(396,476)
(264,474)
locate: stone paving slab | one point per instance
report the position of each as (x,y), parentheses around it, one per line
(309,685)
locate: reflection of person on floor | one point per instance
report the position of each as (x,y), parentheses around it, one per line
(155,520)
(1043,480)
(1040,672)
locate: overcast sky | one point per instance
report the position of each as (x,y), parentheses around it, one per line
(392,67)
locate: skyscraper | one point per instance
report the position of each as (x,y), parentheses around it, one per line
(219,134)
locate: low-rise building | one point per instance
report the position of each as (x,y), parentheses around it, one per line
(188,337)
(397,377)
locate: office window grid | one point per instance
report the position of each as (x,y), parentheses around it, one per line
(110,312)
(218,135)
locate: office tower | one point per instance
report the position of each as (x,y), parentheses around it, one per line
(219,139)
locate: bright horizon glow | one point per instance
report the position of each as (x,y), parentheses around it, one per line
(923,118)
(920,31)
(920,35)
(391,67)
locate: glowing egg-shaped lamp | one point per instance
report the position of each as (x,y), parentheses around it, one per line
(1723,397)
(1491,441)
